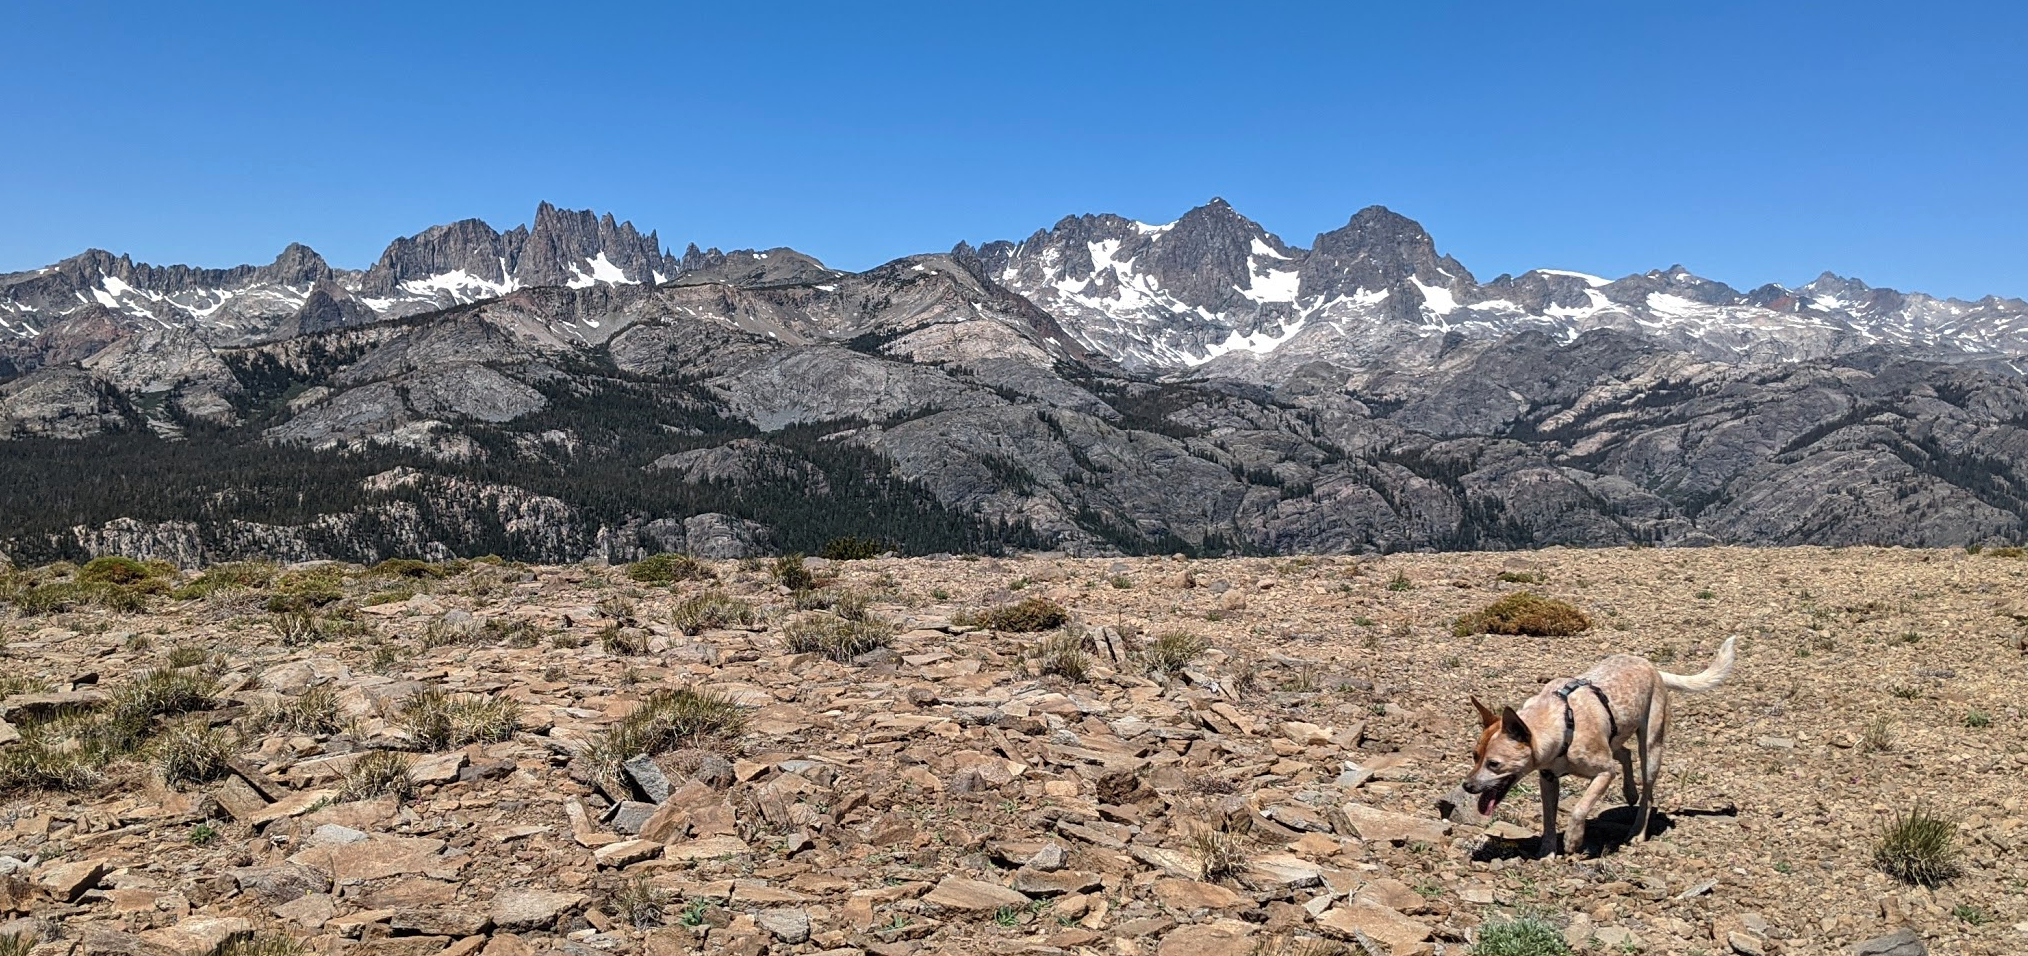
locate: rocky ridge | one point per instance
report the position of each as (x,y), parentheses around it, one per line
(1270,790)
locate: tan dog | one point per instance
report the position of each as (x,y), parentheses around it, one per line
(1588,726)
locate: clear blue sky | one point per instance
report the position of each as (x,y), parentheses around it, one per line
(1752,142)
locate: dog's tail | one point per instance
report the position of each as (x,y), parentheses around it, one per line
(1706,679)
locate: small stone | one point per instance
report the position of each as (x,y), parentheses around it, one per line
(627,852)
(199,936)
(647,776)
(1374,825)
(958,893)
(1745,944)
(524,908)
(66,882)
(1901,943)
(791,926)
(1184,896)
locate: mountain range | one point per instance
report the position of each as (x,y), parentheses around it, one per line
(572,388)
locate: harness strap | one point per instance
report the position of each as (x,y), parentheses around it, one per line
(1570,715)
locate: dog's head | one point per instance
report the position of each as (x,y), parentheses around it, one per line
(1506,753)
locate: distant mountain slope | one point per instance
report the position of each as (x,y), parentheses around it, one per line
(570,390)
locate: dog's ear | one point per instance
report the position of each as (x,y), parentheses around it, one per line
(1486,716)
(1512,725)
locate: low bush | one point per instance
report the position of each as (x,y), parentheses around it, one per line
(669,568)
(1526,936)
(1524,613)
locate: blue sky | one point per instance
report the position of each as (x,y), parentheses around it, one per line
(1750,142)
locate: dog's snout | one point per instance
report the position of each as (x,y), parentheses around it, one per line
(1472,785)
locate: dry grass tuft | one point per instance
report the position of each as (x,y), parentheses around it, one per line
(379,773)
(440,720)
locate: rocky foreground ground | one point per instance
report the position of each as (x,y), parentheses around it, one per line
(1272,792)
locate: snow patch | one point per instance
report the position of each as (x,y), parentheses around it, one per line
(460,285)
(1261,248)
(1589,279)
(1259,343)
(1436,298)
(1273,285)
(1674,305)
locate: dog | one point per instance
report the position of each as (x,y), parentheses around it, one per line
(1591,726)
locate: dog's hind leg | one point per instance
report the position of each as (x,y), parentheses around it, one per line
(1650,740)
(1629,781)
(1551,790)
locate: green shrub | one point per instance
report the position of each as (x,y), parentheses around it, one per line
(1918,847)
(1527,936)
(1527,614)
(710,611)
(1026,617)
(249,575)
(838,638)
(669,568)
(113,570)
(789,572)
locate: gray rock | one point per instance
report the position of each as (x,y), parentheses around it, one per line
(1902,942)
(790,926)
(647,777)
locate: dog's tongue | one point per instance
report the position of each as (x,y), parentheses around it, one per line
(1487,802)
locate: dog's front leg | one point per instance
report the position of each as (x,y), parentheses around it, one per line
(1550,791)
(1581,813)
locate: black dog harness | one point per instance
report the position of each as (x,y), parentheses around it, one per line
(1570,716)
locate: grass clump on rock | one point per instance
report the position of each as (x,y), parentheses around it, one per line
(1063,655)
(1026,617)
(439,720)
(1919,847)
(664,721)
(838,638)
(1172,652)
(192,752)
(710,611)
(668,568)
(314,711)
(379,773)
(1525,613)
